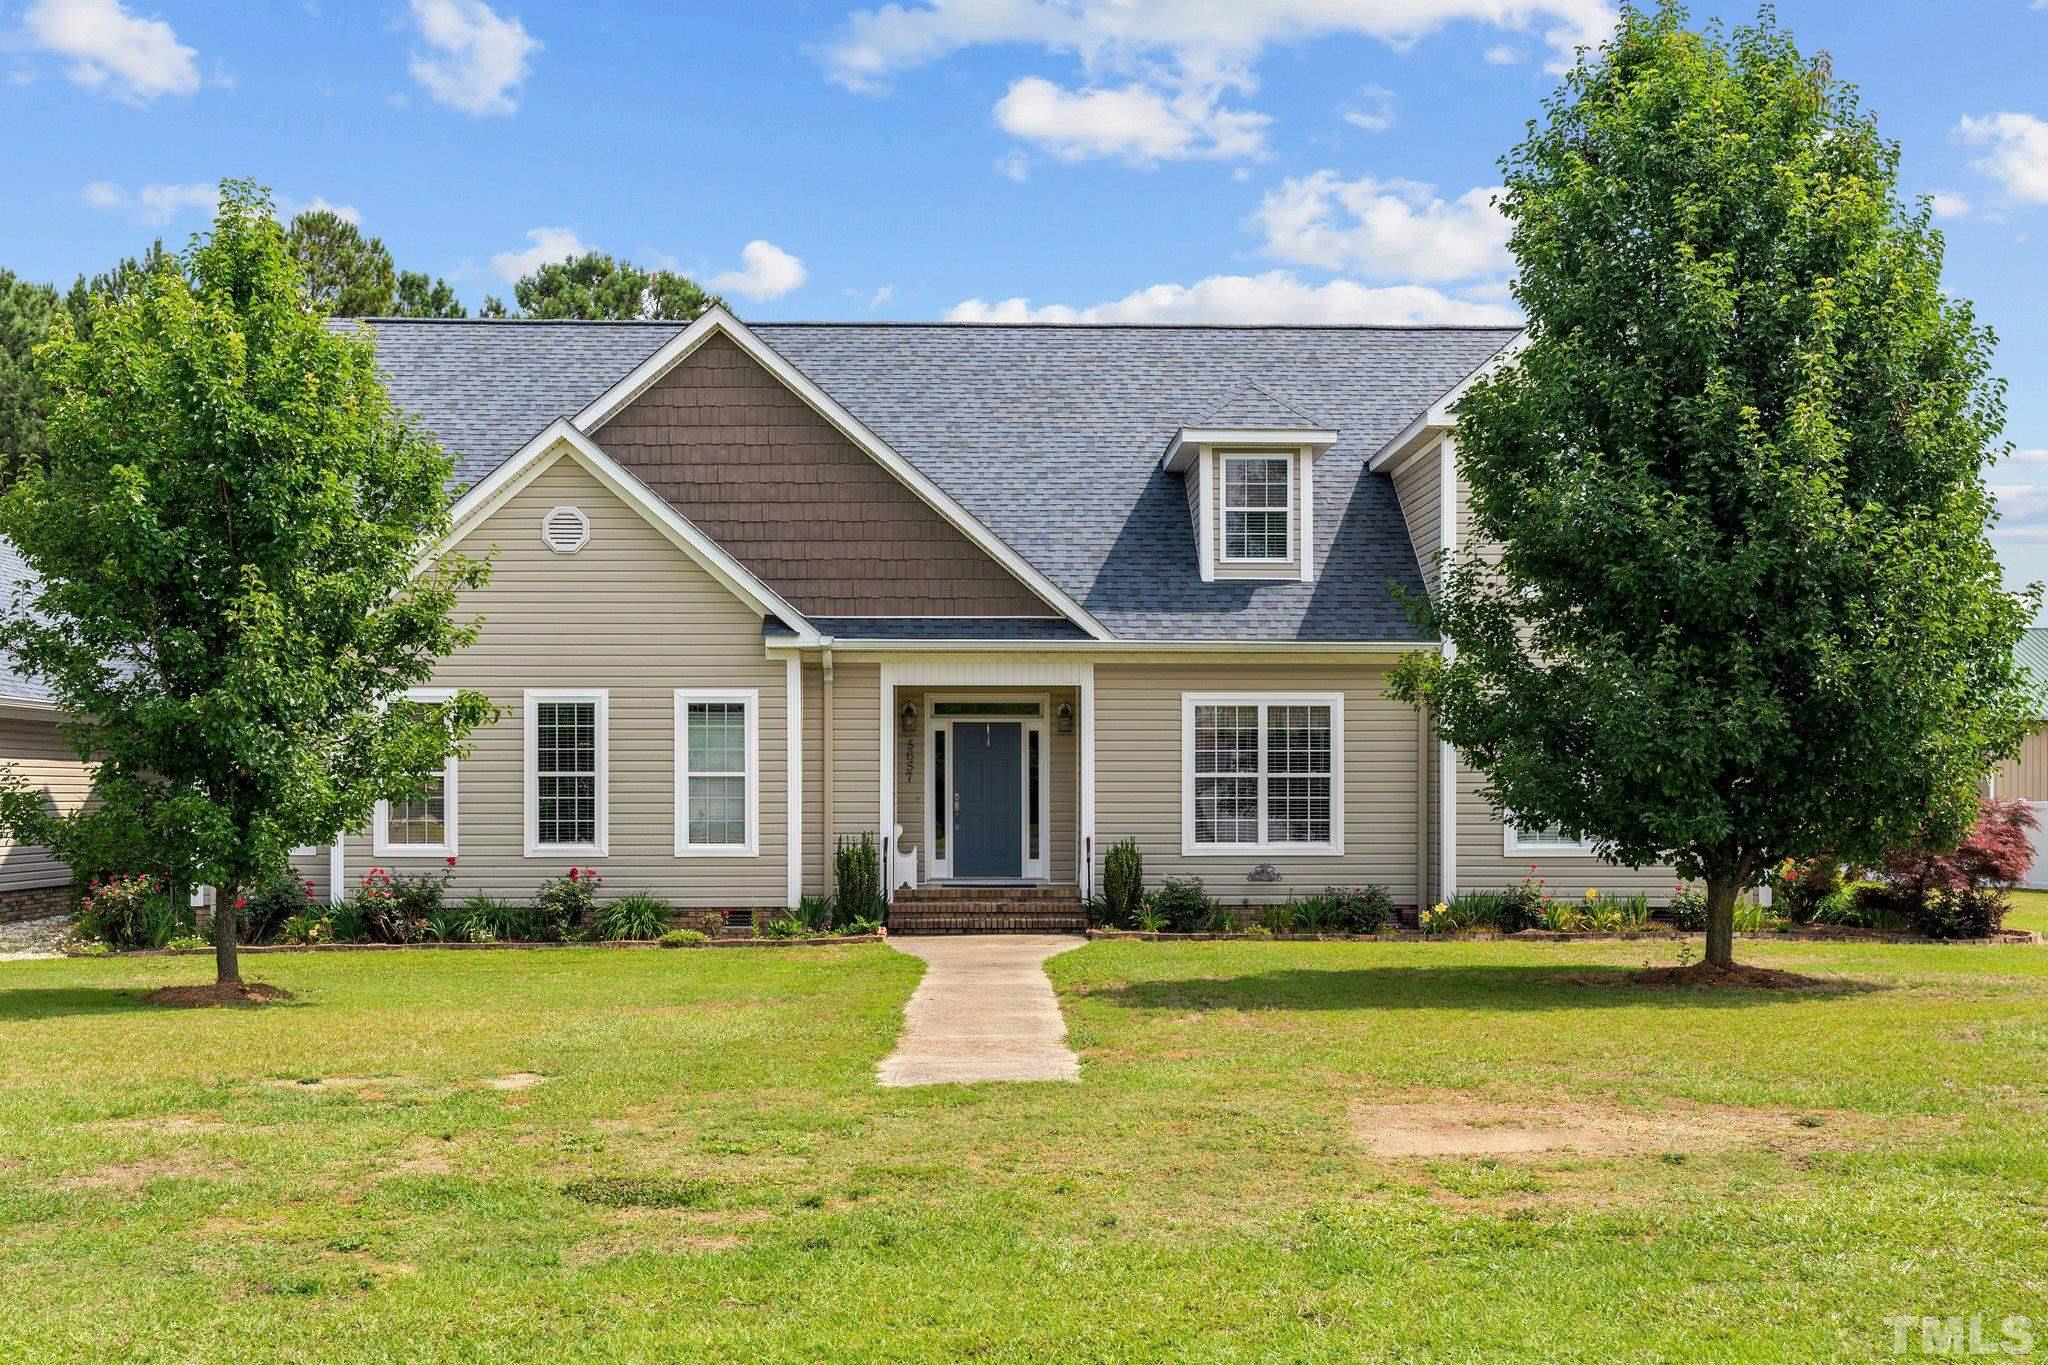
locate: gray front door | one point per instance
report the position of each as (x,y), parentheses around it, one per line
(988,802)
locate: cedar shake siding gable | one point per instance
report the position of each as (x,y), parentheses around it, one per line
(761,472)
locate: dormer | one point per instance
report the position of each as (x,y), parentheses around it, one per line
(1249,466)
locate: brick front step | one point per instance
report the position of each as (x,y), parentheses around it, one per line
(986,920)
(946,895)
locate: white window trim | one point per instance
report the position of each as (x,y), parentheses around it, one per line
(1513,841)
(750,698)
(534,847)
(1189,701)
(380,825)
(1290,508)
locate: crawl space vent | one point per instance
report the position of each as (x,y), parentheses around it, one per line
(565,530)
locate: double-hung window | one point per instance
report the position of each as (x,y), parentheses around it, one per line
(566,772)
(1258,497)
(1542,839)
(717,773)
(423,824)
(1262,773)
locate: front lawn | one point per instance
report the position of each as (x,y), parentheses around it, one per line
(644,1154)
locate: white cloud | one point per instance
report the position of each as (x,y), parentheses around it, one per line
(1372,109)
(1503,54)
(1016,166)
(545,246)
(1158,71)
(289,208)
(1275,296)
(139,58)
(478,58)
(881,296)
(766,272)
(1135,122)
(1949,204)
(1383,229)
(152,205)
(2018,152)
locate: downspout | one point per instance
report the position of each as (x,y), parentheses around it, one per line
(830,831)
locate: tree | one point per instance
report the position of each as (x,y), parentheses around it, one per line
(227,537)
(27,312)
(1743,607)
(347,274)
(419,297)
(115,286)
(596,286)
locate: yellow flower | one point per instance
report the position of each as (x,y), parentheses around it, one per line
(1592,894)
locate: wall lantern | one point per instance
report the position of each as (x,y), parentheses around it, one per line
(1066,717)
(907,718)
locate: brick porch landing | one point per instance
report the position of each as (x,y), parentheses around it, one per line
(999,909)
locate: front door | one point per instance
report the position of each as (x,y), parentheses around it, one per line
(988,800)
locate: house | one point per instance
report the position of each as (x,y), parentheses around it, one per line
(32,882)
(999,596)
(2025,775)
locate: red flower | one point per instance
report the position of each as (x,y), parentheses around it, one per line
(451,862)
(241,902)
(572,874)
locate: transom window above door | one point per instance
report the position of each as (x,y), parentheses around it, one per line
(1258,494)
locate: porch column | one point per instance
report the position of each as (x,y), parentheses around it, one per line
(1086,852)
(884,774)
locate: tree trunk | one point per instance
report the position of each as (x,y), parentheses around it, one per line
(227,965)
(1722,888)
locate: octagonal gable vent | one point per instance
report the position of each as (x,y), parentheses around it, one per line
(565,530)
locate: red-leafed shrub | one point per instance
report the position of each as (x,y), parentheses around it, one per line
(1961,893)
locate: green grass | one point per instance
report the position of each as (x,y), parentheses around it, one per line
(708,1172)
(2029,911)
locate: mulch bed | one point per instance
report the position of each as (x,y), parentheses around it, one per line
(216,993)
(1741,976)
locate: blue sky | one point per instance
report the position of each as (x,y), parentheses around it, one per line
(1169,160)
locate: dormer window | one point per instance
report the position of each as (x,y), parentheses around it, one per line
(1258,496)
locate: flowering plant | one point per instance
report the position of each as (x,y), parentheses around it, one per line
(568,900)
(398,906)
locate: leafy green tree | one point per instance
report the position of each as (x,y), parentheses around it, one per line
(27,313)
(596,286)
(420,297)
(115,286)
(1744,608)
(347,274)
(226,538)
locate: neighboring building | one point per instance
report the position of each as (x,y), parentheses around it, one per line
(32,882)
(2026,775)
(1020,592)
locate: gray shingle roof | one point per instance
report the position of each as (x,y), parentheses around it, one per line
(1254,407)
(1050,435)
(16,578)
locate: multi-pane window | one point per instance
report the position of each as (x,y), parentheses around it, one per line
(715,771)
(1257,497)
(565,758)
(1543,839)
(1263,772)
(423,823)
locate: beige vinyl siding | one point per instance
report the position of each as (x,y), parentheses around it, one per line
(1060,776)
(314,867)
(1420,487)
(2026,775)
(1291,567)
(1484,865)
(1139,765)
(856,746)
(817,873)
(632,615)
(38,754)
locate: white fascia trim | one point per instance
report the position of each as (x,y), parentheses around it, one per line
(28,709)
(1189,701)
(793,777)
(718,321)
(380,841)
(531,775)
(1109,651)
(562,439)
(750,699)
(1441,414)
(1180,451)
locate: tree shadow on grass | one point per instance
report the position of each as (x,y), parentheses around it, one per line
(1518,988)
(55,1002)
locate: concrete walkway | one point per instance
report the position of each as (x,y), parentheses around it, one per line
(984,1012)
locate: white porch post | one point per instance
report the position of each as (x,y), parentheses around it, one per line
(793,781)
(1085,851)
(335,895)
(1447,757)
(887,796)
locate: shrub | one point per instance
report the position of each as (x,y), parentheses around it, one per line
(1321,913)
(1521,907)
(857,874)
(304,928)
(1799,888)
(1688,909)
(1183,905)
(638,916)
(266,909)
(815,912)
(684,938)
(403,907)
(1961,893)
(1123,882)
(132,912)
(565,902)
(1337,910)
